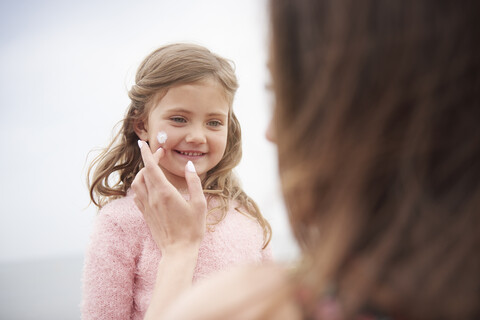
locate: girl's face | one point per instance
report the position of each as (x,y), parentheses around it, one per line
(195,118)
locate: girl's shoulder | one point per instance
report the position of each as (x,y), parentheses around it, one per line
(234,215)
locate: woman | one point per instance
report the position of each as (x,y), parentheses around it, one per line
(376,122)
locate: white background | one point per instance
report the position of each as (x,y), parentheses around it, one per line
(65,69)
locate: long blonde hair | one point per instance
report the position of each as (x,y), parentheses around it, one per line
(112,172)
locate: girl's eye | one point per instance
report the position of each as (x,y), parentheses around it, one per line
(214,123)
(178,119)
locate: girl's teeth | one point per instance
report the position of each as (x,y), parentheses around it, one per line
(191,153)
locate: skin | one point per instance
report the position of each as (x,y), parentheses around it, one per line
(195,118)
(270,133)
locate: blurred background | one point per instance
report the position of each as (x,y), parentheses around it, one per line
(65,69)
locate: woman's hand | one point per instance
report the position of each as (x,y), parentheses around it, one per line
(174,222)
(177,226)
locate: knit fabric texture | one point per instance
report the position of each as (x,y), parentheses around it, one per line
(122,258)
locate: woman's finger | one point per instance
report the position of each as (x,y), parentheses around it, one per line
(194,185)
(139,204)
(154,176)
(147,156)
(158,154)
(139,187)
(138,183)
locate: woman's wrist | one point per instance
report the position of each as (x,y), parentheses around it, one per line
(180,257)
(181,250)
(174,276)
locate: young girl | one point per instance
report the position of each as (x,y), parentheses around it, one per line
(182,102)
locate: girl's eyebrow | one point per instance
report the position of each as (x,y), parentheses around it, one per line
(217,114)
(181,110)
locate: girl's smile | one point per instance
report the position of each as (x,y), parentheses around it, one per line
(190,154)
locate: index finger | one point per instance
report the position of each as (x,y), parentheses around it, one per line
(151,165)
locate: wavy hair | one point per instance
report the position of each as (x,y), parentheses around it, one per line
(112,172)
(377,110)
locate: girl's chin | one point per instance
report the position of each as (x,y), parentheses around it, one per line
(178,171)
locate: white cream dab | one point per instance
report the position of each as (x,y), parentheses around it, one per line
(162,137)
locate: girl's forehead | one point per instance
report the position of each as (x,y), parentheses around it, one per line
(207,95)
(206,81)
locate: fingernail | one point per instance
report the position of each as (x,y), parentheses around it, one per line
(191,167)
(140,144)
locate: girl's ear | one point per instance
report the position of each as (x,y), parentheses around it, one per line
(140,129)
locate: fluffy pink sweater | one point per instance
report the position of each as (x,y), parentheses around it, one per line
(122,258)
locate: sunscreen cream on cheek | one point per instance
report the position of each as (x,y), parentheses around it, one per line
(162,137)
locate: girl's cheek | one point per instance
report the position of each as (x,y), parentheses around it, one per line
(221,142)
(163,139)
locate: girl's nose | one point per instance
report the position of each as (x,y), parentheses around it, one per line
(196,136)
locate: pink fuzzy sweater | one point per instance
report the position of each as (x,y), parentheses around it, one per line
(122,258)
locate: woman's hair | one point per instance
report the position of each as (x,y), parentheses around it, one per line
(113,170)
(378,132)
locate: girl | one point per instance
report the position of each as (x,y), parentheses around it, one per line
(184,93)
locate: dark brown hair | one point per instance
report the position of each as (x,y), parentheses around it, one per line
(378,132)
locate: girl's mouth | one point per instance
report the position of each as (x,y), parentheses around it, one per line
(190,153)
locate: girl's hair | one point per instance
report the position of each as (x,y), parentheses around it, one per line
(378,110)
(113,170)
